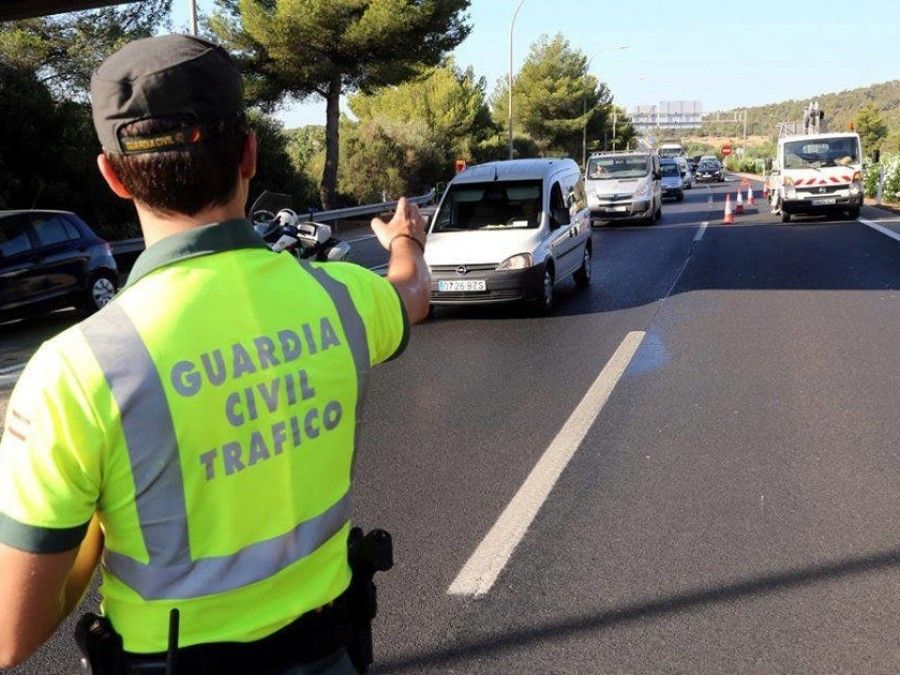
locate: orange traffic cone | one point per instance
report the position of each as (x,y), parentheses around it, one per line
(750,200)
(729,216)
(739,206)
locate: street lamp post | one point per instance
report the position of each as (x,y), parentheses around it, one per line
(192,11)
(587,65)
(512,25)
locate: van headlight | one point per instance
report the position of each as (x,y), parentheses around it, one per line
(516,262)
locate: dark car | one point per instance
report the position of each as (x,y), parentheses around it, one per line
(52,259)
(709,171)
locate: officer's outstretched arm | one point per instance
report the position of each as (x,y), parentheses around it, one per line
(32,600)
(404,238)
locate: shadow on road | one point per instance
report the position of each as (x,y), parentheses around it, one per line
(673,604)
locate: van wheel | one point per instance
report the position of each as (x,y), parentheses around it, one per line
(582,275)
(785,216)
(548,292)
(853,212)
(101,289)
(658,213)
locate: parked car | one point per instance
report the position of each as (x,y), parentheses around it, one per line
(687,177)
(624,185)
(672,181)
(52,259)
(709,170)
(509,232)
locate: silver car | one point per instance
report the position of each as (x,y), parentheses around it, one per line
(672,181)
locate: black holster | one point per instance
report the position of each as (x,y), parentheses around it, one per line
(368,554)
(100,646)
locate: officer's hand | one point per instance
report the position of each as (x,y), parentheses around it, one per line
(407,220)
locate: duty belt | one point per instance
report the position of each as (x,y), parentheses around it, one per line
(314,636)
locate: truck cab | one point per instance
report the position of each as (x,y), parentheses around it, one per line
(817,173)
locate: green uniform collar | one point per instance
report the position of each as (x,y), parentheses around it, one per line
(228,235)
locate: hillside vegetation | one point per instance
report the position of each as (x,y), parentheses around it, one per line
(840,109)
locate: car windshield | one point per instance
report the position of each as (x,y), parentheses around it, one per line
(669,170)
(821,152)
(669,152)
(605,168)
(490,206)
(709,166)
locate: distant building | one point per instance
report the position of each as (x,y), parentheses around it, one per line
(667,115)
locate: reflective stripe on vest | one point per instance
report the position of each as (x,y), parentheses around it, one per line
(149,432)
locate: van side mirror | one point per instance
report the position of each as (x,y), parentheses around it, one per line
(876,156)
(657,175)
(559,217)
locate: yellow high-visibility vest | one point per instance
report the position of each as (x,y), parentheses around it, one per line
(208,415)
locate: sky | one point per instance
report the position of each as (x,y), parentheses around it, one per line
(725,55)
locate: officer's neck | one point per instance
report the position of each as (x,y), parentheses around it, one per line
(158,226)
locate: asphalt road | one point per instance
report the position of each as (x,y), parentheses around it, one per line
(731,507)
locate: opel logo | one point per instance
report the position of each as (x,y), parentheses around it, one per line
(462,269)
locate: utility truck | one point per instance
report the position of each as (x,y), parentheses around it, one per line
(670,148)
(816,171)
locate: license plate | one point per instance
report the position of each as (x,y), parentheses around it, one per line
(462,286)
(824,202)
(618,209)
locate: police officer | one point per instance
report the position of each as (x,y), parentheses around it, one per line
(206,417)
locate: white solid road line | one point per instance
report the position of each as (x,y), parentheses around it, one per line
(482,569)
(702,229)
(880,228)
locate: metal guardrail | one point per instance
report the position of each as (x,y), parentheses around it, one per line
(364,210)
(127,246)
(134,245)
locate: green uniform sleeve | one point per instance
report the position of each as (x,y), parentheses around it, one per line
(49,472)
(379,305)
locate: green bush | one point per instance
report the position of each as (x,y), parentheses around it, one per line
(745,165)
(891,190)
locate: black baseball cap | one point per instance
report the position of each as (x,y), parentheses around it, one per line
(176,77)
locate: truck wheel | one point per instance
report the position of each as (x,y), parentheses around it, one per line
(853,212)
(785,216)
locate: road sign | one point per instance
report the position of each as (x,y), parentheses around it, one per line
(460,165)
(726,150)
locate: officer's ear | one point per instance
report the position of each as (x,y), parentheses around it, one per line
(248,157)
(111,177)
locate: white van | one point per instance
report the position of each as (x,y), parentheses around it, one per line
(510,231)
(624,185)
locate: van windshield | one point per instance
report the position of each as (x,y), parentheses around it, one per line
(606,168)
(509,205)
(821,152)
